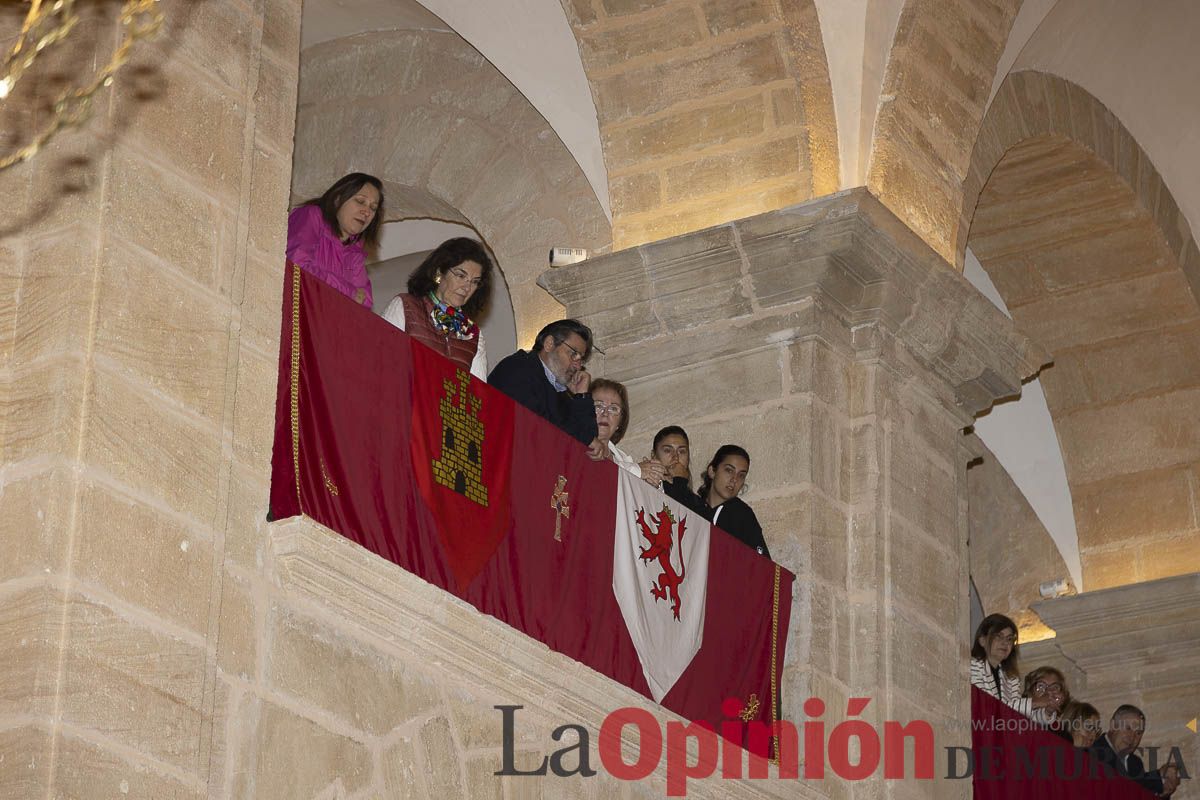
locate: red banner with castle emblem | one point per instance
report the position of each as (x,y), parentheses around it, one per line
(388,444)
(461,445)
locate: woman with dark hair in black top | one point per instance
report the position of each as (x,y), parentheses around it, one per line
(717,498)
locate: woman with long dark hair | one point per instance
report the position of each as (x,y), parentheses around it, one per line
(330,235)
(447,291)
(718,499)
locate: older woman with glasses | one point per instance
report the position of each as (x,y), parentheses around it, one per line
(447,291)
(612,420)
(1046,691)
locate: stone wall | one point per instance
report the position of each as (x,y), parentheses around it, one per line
(1084,269)
(1033,105)
(709,111)
(935,91)
(141,269)
(817,337)
(1011,553)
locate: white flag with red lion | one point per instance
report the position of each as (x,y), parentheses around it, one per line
(660,578)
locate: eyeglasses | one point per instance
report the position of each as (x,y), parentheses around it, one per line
(462,275)
(612,410)
(575,354)
(1042,686)
(1007,638)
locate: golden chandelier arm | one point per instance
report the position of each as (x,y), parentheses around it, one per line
(48,23)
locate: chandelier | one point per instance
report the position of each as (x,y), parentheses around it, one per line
(48,23)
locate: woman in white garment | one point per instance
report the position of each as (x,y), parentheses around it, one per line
(612,420)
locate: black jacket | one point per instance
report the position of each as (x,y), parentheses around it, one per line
(1133,769)
(522,377)
(733,516)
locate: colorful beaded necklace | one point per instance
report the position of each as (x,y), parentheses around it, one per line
(451,321)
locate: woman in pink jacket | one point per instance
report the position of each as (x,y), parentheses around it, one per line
(329,236)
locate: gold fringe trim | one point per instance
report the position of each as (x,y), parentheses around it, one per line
(330,486)
(774,661)
(295,379)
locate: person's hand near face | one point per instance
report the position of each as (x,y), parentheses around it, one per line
(1170,779)
(653,472)
(598,450)
(580,382)
(672,452)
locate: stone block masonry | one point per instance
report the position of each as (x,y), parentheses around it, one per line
(847,357)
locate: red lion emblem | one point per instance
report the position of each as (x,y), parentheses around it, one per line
(669,580)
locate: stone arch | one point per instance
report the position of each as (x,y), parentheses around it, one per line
(1067,224)
(430,116)
(708,111)
(1031,104)
(935,90)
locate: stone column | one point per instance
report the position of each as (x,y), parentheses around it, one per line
(847,358)
(140,270)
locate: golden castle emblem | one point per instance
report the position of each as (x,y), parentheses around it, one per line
(460,467)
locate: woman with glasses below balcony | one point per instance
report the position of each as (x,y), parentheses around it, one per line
(447,291)
(329,236)
(612,420)
(1046,690)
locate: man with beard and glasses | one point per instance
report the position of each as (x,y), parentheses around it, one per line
(551,380)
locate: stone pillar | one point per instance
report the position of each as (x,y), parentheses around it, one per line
(1136,644)
(847,358)
(141,265)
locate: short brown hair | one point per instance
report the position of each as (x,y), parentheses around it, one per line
(1038,674)
(1075,713)
(619,388)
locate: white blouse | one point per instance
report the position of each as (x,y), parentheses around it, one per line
(624,461)
(1009,691)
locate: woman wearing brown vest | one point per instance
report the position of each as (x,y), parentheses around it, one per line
(449,288)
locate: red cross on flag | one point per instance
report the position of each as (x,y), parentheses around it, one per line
(660,577)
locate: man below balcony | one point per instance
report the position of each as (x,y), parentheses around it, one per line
(1115,750)
(551,380)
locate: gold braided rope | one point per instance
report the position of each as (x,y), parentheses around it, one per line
(774,661)
(295,378)
(47,24)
